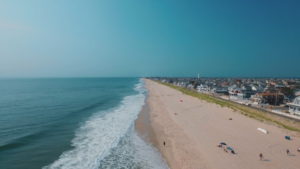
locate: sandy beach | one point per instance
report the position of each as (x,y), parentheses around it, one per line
(187,130)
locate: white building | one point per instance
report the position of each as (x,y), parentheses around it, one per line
(203,88)
(294,108)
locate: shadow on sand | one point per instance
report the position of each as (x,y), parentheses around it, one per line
(266,160)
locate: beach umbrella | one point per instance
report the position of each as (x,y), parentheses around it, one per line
(223,143)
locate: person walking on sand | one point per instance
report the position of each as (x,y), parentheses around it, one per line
(261,157)
(287,151)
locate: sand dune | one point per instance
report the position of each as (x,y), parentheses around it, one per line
(191,130)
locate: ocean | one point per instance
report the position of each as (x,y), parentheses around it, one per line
(73,123)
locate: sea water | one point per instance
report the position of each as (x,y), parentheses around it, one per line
(73,123)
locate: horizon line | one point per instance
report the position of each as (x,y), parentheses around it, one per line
(74,77)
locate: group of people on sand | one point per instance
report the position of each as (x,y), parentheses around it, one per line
(261,156)
(226,148)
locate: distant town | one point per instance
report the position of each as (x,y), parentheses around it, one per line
(276,95)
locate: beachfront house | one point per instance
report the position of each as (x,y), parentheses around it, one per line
(233,92)
(294,107)
(256,99)
(220,90)
(203,88)
(236,93)
(271,98)
(247,91)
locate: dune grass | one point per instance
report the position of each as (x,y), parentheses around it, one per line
(245,110)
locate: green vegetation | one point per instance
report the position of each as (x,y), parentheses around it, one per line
(245,110)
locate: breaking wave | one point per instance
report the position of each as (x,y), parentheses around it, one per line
(107,140)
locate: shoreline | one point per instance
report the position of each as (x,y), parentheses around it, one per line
(145,130)
(143,127)
(191,130)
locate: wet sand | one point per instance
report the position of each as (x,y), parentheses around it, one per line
(143,125)
(192,129)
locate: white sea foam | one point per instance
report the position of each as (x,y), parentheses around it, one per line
(133,153)
(101,133)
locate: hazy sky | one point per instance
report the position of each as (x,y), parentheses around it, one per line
(67,38)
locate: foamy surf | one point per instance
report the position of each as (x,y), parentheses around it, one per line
(99,143)
(133,153)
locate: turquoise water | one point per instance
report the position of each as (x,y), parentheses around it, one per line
(72,123)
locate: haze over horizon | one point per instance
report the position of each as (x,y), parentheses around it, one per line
(74,38)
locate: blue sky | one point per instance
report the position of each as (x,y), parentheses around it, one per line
(77,38)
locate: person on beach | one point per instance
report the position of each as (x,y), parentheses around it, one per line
(261,157)
(287,151)
(298,149)
(164,143)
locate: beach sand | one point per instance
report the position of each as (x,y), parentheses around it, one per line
(192,129)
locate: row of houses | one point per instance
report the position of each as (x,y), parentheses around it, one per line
(274,92)
(261,96)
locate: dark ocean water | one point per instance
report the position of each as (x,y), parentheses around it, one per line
(72,123)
